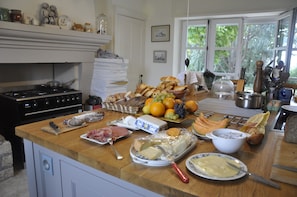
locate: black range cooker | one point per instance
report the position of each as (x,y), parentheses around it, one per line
(31,105)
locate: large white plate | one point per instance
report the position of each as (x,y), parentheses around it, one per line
(197,172)
(120,123)
(162,161)
(84,136)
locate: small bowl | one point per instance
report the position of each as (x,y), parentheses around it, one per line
(227,140)
(179,94)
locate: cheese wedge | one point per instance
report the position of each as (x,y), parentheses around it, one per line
(151,153)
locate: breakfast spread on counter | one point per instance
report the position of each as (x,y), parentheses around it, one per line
(150,109)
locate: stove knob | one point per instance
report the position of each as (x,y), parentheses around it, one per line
(46,102)
(34,104)
(68,99)
(58,100)
(78,97)
(63,100)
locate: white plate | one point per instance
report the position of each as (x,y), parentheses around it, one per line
(197,172)
(120,123)
(161,161)
(200,136)
(84,136)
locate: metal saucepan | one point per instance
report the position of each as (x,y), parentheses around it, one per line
(249,100)
(56,84)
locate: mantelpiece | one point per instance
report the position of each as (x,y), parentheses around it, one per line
(20,43)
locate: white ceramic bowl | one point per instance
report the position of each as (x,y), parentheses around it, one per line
(227,140)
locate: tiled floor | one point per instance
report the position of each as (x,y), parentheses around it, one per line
(15,186)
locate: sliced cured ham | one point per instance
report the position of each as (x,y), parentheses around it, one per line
(103,134)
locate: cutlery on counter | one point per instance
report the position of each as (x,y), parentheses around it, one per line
(54,126)
(117,154)
(183,177)
(256,177)
(289,168)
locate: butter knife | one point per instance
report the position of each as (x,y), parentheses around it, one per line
(257,177)
(289,168)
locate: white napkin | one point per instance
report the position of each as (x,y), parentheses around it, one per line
(192,77)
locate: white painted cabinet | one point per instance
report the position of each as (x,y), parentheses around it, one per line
(52,174)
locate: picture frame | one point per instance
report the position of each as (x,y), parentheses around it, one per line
(160,33)
(160,56)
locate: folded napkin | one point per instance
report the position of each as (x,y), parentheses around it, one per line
(192,77)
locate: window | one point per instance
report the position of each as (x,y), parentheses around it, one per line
(225,46)
(257,44)
(218,52)
(196,44)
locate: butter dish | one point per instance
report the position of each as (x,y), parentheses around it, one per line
(150,124)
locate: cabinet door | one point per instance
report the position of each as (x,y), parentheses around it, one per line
(80,183)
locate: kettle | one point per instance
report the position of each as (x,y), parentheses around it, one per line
(93,100)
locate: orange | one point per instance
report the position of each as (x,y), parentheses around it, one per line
(169,111)
(148,101)
(178,101)
(191,106)
(169,103)
(157,109)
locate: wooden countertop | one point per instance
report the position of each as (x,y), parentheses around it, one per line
(162,180)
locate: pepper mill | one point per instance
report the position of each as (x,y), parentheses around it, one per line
(258,78)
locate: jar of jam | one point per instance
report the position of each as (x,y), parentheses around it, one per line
(16,16)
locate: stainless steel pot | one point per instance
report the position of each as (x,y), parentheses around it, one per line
(249,100)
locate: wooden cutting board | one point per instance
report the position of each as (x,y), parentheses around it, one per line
(63,129)
(285,154)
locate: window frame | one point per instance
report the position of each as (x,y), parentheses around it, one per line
(212,48)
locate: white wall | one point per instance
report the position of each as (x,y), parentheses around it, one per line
(158,12)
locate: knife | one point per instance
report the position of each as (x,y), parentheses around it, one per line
(257,177)
(289,168)
(54,126)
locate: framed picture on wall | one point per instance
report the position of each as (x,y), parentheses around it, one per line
(160,56)
(160,33)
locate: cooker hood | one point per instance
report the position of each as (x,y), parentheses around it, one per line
(24,45)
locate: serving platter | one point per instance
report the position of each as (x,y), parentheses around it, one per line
(162,161)
(84,136)
(193,166)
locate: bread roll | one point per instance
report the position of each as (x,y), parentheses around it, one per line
(173,132)
(180,88)
(255,139)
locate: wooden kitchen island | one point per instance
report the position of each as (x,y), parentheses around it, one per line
(66,165)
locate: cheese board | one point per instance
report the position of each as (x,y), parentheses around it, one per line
(284,156)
